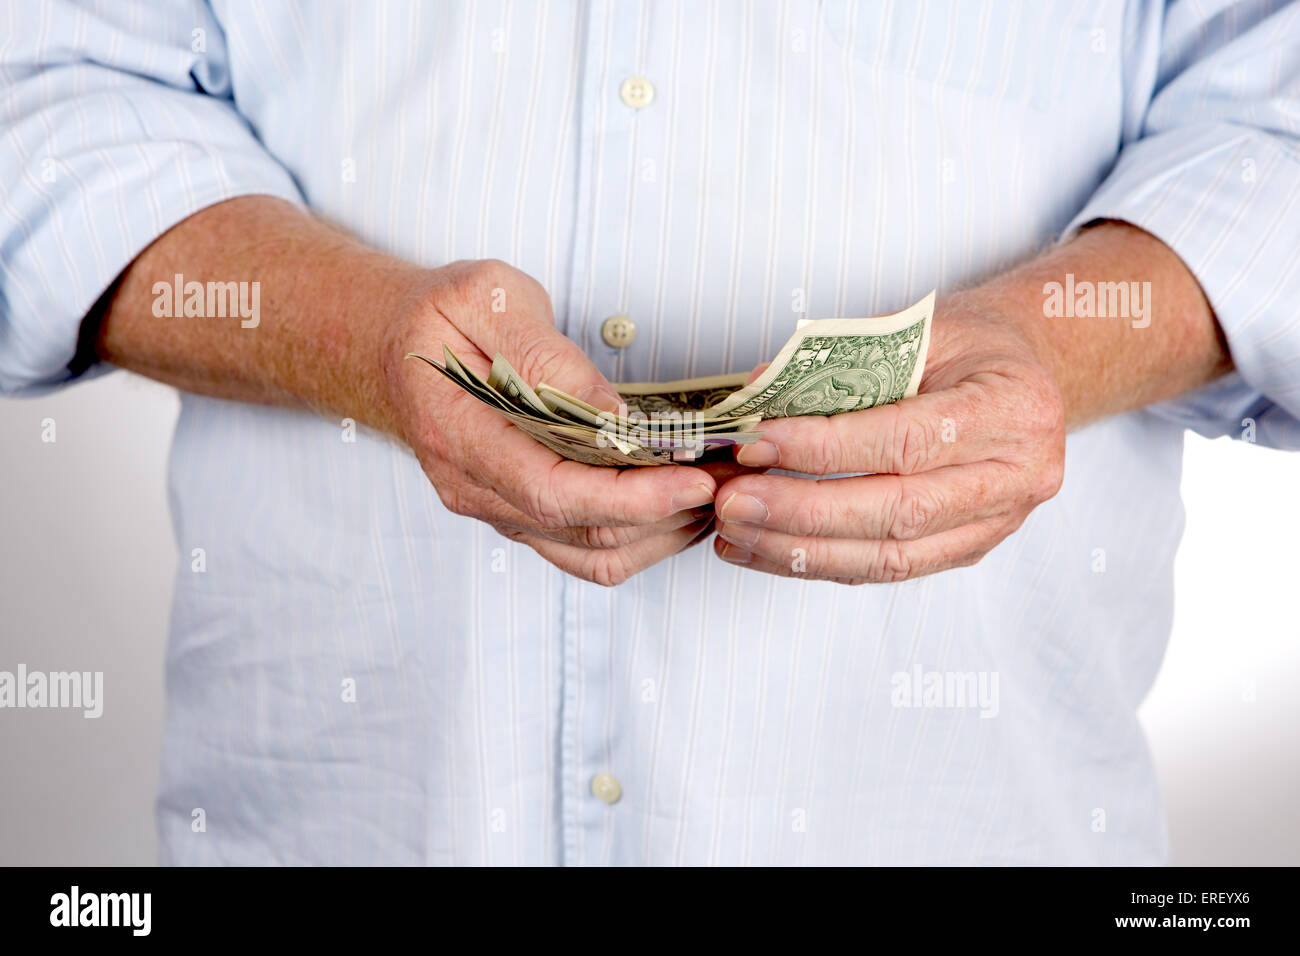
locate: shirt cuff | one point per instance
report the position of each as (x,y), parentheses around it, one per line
(1225,197)
(101,210)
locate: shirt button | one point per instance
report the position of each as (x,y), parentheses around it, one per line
(618,331)
(637,92)
(606,787)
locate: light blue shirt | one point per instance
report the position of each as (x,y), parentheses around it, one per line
(357,675)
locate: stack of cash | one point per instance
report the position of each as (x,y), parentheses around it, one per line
(827,366)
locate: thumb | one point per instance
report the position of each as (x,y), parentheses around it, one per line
(758,370)
(603,396)
(544,354)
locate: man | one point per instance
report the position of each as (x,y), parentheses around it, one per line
(433,641)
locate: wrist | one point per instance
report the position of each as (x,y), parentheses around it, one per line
(405,318)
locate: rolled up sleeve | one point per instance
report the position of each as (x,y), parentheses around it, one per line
(116,123)
(1213,171)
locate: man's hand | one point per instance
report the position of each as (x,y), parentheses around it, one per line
(601,524)
(953,470)
(337,319)
(957,468)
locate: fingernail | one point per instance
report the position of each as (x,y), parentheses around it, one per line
(741,507)
(758,455)
(602,398)
(744,535)
(696,496)
(735,555)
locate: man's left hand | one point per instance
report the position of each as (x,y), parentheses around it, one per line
(948,473)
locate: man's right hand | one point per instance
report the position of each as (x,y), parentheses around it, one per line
(599,524)
(336,320)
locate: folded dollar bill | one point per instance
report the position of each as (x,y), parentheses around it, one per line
(827,366)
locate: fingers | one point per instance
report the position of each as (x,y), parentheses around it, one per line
(462,494)
(486,506)
(606,537)
(900,439)
(949,474)
(610,568)
(900,507)
(552,493)
(576,494)
(476,446)
(958,425)
(859,562)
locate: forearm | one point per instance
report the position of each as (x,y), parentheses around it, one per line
(323,299)
(336,320)
(1106,365)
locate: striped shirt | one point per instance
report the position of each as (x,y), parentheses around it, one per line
(356,675)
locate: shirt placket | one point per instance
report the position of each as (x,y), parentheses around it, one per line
(613,93)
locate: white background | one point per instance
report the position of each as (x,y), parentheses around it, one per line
(87,558)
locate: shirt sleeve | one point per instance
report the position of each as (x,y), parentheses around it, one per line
(117,121)
(1210,165)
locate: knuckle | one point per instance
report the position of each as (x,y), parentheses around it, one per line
(913,514)
(1050,480)
(815,516)
(912,440)
(600,537)
(890,564)
(526,296)
(456,501)
(830,446)
(472,284)
(464,282)
(609,571)
(491,273)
